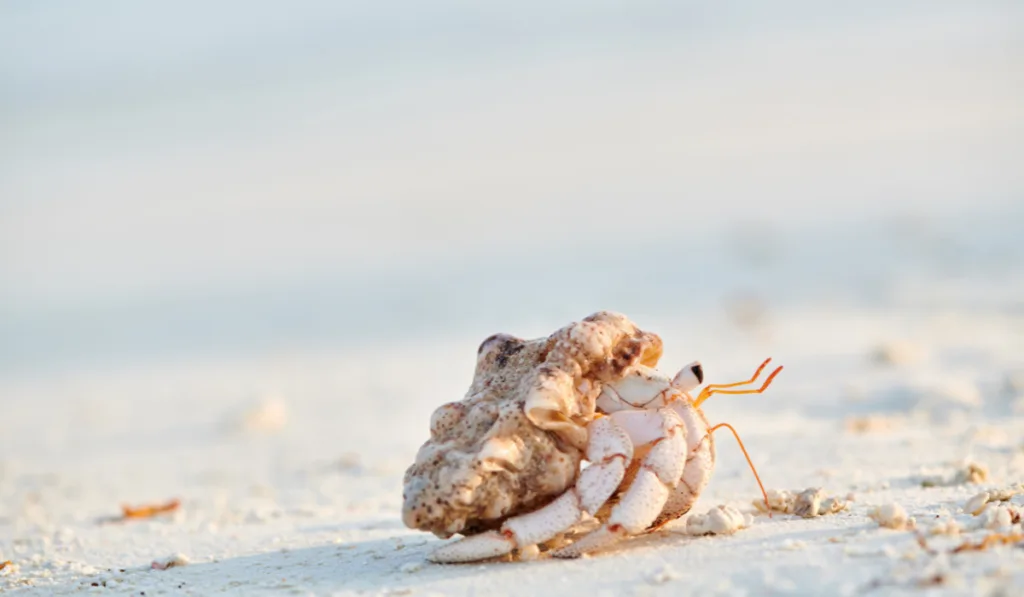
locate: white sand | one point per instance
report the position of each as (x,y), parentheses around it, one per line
(289,466)
(242,271)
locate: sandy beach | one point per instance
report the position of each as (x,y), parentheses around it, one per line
(239,272)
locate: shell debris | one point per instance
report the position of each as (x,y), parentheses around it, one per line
(807,503)
(972,473)
(892,516)
(947,526)
(991,541)
(146,511)
(976,503)
(720,520)
(999,516)
(172,561)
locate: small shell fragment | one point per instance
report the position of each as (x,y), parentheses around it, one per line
(779,500)
(948,526)
(973,473)
(149,511)
(999,516)
(832,505)
(892,516)
(976,504)
(808,503)
(991,540)
(720,520)
(170,562)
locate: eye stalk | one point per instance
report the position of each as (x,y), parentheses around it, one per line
(689,377)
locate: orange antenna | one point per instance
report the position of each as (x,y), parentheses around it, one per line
(710,390)
(750,462)
(743,383)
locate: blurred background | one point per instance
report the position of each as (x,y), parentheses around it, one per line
(247,247)
(184,179)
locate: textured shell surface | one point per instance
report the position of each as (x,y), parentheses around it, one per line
(517,438)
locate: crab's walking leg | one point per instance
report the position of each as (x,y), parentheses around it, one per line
(699,464)
(658,475)
(608,449)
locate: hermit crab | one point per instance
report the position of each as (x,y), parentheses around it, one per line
(555,431)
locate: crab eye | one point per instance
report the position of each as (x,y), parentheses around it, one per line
(698,372)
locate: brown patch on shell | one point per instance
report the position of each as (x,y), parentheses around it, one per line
(515,442)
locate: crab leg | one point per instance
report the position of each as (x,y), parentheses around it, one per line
(657,477)
(608,449)
(698,466)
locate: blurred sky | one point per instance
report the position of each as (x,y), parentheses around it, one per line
(176,176)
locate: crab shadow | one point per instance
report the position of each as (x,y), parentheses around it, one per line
(398,564)
(392,565)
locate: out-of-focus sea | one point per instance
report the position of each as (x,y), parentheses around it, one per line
(187,179)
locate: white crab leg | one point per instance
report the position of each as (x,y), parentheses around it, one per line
(700,462)
(659,473)
(608,449)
